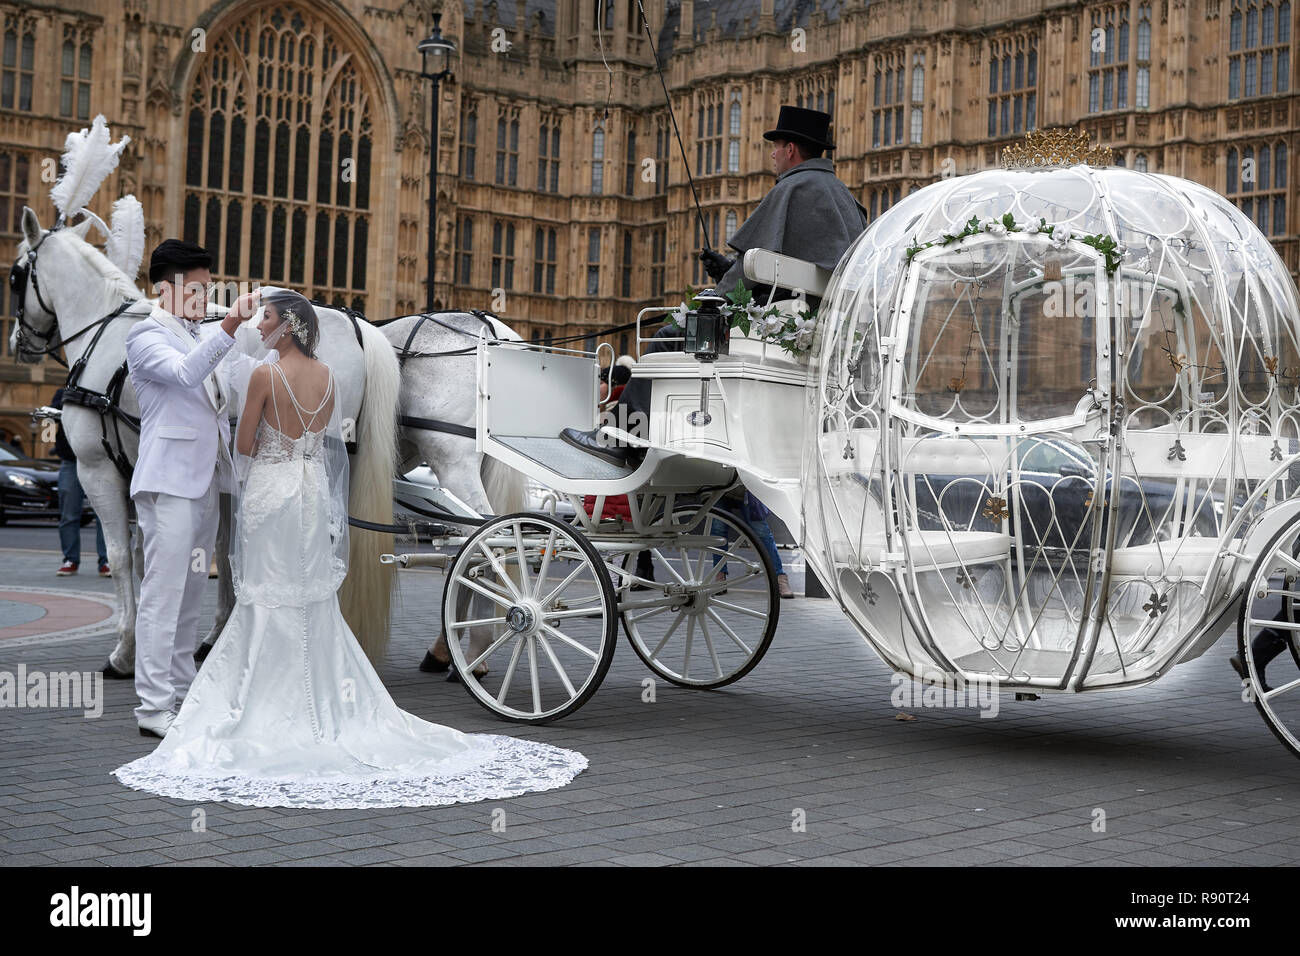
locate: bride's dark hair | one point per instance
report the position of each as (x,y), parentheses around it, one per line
(304,330)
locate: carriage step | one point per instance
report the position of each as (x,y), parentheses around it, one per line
(558,456)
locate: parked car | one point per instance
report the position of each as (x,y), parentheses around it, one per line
(1054,496)
(29,488)
(1055,489)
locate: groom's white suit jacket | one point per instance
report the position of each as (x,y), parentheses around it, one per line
(184,426)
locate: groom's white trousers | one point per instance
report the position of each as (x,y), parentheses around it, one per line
(179,536)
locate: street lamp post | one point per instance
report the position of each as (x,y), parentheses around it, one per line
(436,55)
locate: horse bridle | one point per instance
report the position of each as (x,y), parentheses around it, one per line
(20,273)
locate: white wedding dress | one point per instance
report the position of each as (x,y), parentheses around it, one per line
(287,711)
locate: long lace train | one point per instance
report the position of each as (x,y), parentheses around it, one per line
(506,768)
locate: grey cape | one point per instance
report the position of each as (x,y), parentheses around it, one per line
(809,214)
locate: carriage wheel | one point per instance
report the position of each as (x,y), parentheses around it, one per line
(530,616)
(1269,625)
(695,627)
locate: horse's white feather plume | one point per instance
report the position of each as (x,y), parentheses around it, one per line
(125,246)
(88,159)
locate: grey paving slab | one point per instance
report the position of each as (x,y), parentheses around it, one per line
(1186,773)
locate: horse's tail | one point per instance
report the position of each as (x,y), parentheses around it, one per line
(507,489)
(366,595)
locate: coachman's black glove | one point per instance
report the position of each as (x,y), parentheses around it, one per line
(716,264)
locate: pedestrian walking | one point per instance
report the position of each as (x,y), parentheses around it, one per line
(72,502)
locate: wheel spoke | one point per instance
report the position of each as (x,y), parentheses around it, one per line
(655,553)
(532,670)
(491,649)
(562,585)
(546,562)
(732,582)
(1283,625)
(690,640)
(730,633)
(500,570)
(524,586)
(708,642)
(510,673)
(1278,691)
(555,662)
(748,612)
(654,655)
(1286,559)
(487,592)
(478,623)
(577,646)
(657,609)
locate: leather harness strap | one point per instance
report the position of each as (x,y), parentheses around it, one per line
(434,425)
(107,402)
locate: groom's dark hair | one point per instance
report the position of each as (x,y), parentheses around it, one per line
(292,305)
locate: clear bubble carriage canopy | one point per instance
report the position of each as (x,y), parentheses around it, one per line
(1046,402)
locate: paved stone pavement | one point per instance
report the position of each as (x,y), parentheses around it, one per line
(1185,773)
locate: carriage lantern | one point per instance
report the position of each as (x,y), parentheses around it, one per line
(706,327)
(706,338)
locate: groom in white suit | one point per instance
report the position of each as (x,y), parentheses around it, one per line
(184,464)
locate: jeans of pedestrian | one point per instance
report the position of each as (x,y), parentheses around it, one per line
(1269,643)
(72,500)
(762,531)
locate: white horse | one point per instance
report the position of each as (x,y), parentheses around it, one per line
(438,385)
(71,287)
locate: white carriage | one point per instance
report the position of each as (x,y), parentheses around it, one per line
(1047,437)
(533,602)
(1054,435)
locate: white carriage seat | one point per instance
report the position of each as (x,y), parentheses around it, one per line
(1188,558)
(1195,460)
(928,550)
(785,272)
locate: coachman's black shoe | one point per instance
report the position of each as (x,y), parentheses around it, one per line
(590,442)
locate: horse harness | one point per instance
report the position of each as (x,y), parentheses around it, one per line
(108,402)
(405,352)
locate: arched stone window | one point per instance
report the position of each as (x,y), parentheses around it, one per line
(279,141)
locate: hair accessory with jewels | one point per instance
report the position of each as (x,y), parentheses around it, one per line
(297,328)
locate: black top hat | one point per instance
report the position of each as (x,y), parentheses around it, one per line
(804,126)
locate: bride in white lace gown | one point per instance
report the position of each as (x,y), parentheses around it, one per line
(287,711)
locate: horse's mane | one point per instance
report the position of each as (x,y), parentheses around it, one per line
(118,281)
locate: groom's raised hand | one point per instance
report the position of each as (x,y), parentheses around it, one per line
(241,311)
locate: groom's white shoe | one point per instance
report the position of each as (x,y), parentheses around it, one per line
(156,725)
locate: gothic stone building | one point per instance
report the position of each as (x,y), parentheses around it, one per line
(291,137)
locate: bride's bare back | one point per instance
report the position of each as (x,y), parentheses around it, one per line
(301,397)
(291,396)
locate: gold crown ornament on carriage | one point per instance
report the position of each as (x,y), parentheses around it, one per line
(1057,414)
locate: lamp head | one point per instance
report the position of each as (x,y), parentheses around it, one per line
(707,328)
(437,53)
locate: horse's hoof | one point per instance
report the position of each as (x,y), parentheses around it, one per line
(112,673)
(454,676)
(431,664)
